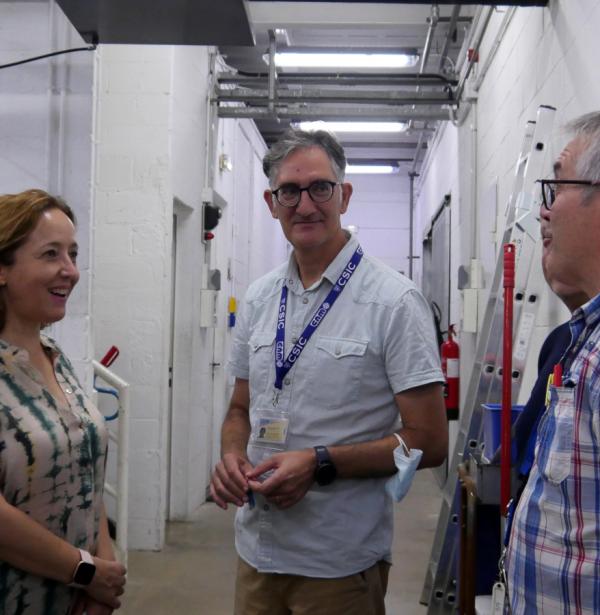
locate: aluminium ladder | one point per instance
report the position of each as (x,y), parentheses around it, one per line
(485,383)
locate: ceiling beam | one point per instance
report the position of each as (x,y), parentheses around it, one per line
(350,95)
(316,112)
(371,79)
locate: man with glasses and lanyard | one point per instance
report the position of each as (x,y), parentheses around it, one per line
(553,557)
(320,399)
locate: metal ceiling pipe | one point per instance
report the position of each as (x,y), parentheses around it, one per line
(413,169)
(272,71)
(476,45)
(424,80)
(435,15)
(354,96)
(411,223)
(433,22)
(451,27)
(468,39)
(315,112)
(508,15)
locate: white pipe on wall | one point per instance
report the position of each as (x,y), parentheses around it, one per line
(122,491)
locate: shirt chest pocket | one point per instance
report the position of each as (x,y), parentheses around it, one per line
(556,438)
(261,361)
(336,370)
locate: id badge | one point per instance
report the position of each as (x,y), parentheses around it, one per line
(499,599)
(270,430)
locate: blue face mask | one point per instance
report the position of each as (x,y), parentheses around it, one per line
(407,463)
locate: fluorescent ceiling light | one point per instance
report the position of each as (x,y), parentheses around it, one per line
(292,59)
(371,169)
(354,126)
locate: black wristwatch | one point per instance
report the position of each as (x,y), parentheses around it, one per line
(85,570)
(325,471)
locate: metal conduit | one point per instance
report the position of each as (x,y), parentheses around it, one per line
(451,27)
(315,112)
(272,72)
(411,224)
(380,79)
(495,45)
(435,16)
(476,45)
(356,96)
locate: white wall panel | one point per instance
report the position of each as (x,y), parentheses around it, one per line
(379,208)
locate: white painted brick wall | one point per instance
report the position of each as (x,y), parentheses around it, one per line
(192,352)
(132,261)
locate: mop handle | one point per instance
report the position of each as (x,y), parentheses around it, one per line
(505,449)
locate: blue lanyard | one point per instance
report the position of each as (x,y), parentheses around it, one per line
(282,365)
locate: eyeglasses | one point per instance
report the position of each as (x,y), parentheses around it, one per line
(551,186)
(320,191)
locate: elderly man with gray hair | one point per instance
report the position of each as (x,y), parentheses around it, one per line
(321,402)
(553,558)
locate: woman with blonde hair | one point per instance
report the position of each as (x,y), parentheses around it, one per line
(56,556)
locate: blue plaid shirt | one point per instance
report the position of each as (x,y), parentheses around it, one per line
(553,559)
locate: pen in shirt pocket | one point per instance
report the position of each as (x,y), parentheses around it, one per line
(557,375)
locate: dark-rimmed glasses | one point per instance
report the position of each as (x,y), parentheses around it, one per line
(551,186)
(320,191)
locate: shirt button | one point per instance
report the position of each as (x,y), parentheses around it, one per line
(338,351)
(294,340)
(286,381)
(68,391)
(305,300)
(266,507)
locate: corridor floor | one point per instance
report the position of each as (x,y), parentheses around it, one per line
(194,573)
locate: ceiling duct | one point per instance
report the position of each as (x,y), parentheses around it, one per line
(160,22)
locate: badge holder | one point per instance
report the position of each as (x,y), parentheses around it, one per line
(270,430)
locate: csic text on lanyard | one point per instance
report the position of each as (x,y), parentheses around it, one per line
(283,365)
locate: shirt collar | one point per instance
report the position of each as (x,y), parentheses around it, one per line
(16,353)
(332,273)
(588,315)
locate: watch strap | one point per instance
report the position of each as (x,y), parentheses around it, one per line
(325,472)
(85,558)
(322,454)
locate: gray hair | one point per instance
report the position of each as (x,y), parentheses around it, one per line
(294,139)
(587,128)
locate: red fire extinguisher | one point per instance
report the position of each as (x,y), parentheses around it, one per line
(450,366)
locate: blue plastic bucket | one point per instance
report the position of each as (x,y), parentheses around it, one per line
(492,427)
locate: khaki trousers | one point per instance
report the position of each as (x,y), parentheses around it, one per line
(258,593)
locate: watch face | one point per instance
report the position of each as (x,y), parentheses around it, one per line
(326,474)
(84,573)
